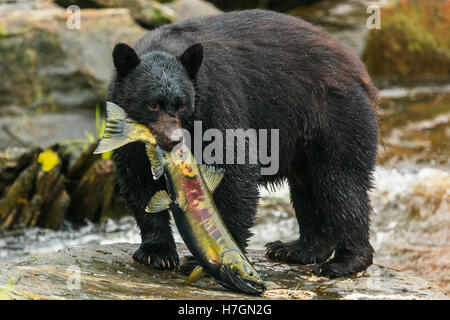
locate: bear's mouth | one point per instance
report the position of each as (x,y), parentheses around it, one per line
(166,128)
(167,143)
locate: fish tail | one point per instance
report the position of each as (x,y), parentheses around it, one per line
(117,130)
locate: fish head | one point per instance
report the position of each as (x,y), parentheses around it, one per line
(238,274)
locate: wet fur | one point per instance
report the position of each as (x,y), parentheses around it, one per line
(265,70)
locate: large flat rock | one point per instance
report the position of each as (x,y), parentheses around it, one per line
(46,65)
(109,272)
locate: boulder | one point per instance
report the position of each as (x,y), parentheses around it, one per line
(413,42)
(109,272)
(192,8)
(49,66)
(148,13)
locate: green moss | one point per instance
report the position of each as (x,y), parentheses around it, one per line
(160,17)
(410,42)
(6,289)
(3,31)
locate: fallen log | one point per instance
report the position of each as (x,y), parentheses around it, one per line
(93,194)
(16,196)
(40,189)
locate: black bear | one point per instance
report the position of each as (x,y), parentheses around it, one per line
(263,70)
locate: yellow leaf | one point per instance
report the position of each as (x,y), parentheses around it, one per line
(48,159)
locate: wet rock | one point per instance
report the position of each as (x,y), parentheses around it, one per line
(148,13)
(44,130)
(48,66)
(192,8)
(413,42)
(345,20)
(109,272)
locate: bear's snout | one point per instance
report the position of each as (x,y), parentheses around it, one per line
(166,129)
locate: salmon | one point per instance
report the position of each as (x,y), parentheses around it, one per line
(189,198)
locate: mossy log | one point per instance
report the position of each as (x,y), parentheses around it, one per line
(51,189)
(93,194)
(12,162)
(43,190)
(83,163)
(16,196)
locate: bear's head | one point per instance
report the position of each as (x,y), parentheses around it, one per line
(156,89)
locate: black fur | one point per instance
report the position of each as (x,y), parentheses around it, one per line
(125,59)
(261,69)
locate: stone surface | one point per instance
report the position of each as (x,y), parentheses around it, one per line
(192,8)
(48,66)
(109,272)
(44,130)
(413,42)
(148,13)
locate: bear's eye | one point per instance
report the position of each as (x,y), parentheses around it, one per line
(153,107)
(182,108)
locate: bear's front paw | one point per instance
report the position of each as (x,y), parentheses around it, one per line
(156,260)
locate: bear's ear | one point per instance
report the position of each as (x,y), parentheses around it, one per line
(192,59)
(125,58)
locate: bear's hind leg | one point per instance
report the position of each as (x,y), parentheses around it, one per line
(332,208)
(340,179)
(313,245)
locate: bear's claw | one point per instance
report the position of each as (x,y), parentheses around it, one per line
(155,260)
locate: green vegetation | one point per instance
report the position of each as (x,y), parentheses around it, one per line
(6,289)
(83,144)
(413,40)
(3,31)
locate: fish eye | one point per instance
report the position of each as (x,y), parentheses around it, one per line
(154,107)
(251,274)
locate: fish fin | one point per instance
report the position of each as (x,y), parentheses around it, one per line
(159,202)
(182,202)
(156,163)
(114,112)
(195,275)
(115,135)
(111,141)
(214,256)
(212,176)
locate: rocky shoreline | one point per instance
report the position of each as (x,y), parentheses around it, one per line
(109,272)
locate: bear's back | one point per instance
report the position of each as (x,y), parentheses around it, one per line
(264,58)
(233,29)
